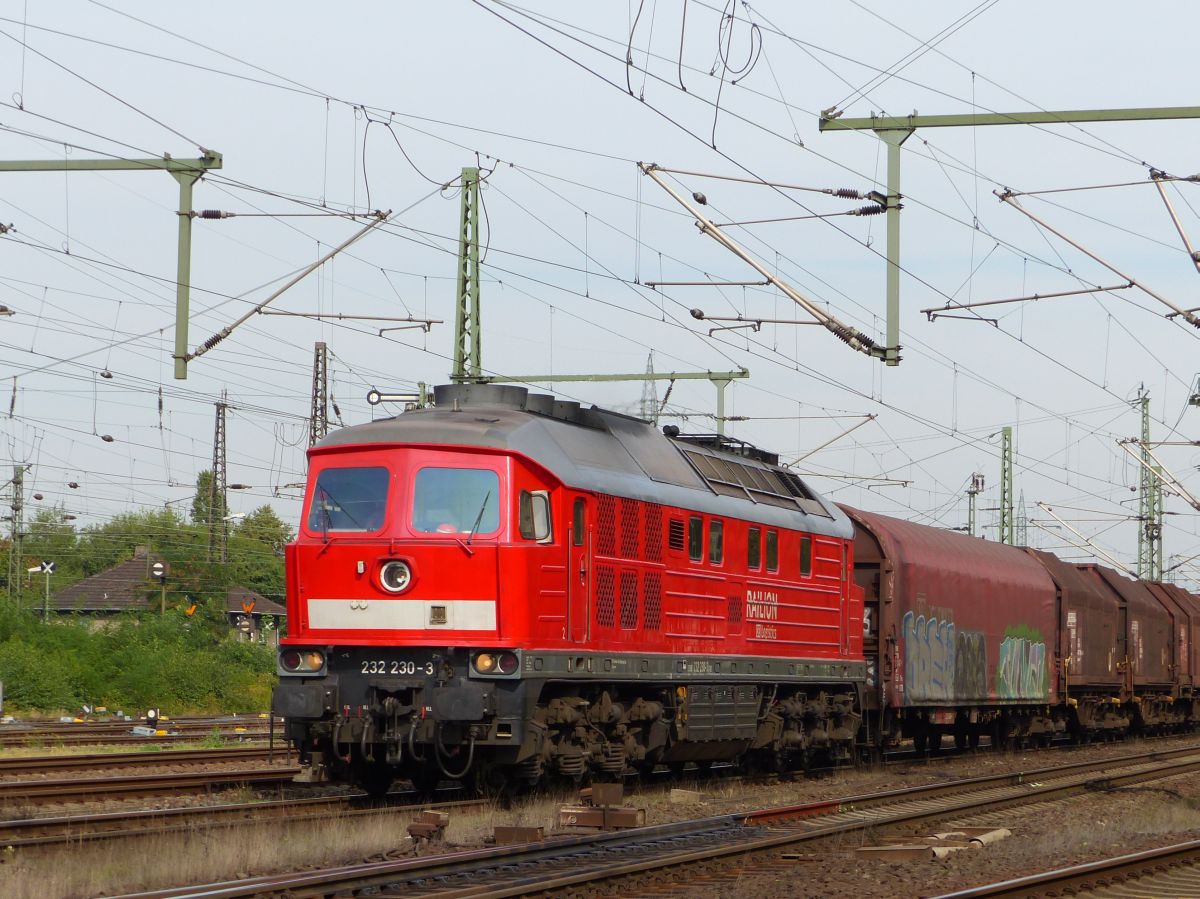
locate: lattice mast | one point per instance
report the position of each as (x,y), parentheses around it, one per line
(1150,510)
(218,523)
(318,419)
(973,492)
(467,325)
(18,531)
(650,393)
(1006,485)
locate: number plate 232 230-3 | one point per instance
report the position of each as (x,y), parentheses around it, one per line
(395,666)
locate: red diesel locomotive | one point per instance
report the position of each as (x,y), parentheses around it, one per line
(504,586)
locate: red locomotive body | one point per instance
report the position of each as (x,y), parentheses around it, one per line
(507,585)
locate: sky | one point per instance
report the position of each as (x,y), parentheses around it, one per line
(323,117)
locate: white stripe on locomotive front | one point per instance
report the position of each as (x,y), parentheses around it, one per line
(401,614)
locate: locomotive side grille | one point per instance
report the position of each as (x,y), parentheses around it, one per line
(605,595)
(735,610)
(652,601)
(629,600)
(630,532)
(654,548)
(675,534)
(608,526)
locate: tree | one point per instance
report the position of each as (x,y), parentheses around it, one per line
(204,495)
(267,528)
(52,538)
(256,552)
(162,531)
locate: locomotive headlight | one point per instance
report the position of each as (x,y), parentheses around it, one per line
(314,660)
(395,576)
(301,661)
(496,663)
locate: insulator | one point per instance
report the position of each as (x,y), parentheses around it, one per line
(74,485)
(848,193)
(214,214)
(107,438)
(868,210)
(213,341)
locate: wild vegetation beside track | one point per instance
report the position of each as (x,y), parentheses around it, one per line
(171,662)
(174,661)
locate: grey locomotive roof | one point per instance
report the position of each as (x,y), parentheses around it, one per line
(588,449)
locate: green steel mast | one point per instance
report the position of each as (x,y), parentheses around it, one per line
(467,325)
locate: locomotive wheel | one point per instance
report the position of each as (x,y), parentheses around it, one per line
(374,778)
(426,781)
(492,781)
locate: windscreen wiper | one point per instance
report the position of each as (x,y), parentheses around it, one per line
(478,518)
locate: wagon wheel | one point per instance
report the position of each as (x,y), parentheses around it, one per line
(920,739)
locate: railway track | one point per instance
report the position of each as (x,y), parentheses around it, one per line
(641,857)
(1169,871)
(33,763)
(73,830)
(82,789)
(83,733)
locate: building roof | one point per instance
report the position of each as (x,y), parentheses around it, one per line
(240,597)
(130,585)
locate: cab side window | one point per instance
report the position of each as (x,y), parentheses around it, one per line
(534,516)
(805,556)
(578,522)
(754,549)
(716,541)
(772,550)
(696,538)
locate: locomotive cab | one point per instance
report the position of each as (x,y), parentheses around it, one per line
(399,650)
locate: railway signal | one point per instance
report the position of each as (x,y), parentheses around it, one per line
(160,570)
(47,568)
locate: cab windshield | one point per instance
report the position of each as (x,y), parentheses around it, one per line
(348,499)
(456,501)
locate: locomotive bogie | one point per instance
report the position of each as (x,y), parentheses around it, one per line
(379,715)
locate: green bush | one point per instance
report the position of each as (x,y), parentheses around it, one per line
(178,664)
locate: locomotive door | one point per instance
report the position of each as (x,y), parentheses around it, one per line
(579,571)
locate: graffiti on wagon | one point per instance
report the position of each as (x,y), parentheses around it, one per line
(1021,668)
(942,663)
